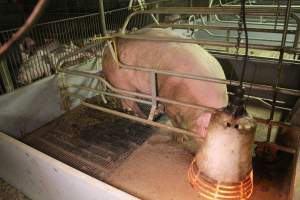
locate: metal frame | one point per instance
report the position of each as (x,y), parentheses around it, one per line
(153,99)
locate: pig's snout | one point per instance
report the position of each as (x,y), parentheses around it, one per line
(202,124)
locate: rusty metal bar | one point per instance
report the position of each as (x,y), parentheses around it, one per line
(277,147)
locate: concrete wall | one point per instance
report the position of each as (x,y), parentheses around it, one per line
(30,107)
(39,176)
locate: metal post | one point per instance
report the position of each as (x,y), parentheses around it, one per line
(157,15)
(153,83)
(102,18)
(280,64)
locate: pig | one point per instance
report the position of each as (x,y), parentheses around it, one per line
(170,56)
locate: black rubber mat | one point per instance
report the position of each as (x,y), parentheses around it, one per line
(88,140)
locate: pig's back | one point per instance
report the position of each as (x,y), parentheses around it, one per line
(171,56)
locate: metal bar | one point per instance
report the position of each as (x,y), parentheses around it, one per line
(280,64)
(294,7)
(203,11)
(215,27)
(225,55)
(153,83)
(145,121)
(102,18)
(182,75)
(203,42)
(215,10)
(107,93)
(159,125)
(165,100)
(89,75)
(214,80)
(161,99)
(277,147)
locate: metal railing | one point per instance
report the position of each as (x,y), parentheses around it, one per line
(47,42)
(153,99)
(152,72)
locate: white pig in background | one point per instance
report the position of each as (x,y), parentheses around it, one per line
(45,60)
(171,56)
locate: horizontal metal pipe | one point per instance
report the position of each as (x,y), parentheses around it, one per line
(277,147)
(201,42)
(177,130)
(278,124)
(161,99)
(159,125)
(225,55)
(136,94)
(294,7)
(200,10)
(107,93)
(215,27)
(177,74)
(215,10)
(145,121)
(94,76)
(214,80)
(230,11)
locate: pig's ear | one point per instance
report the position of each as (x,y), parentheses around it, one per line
(203,123)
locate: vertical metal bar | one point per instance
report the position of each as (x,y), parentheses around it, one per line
(297,34)
(280,64)
(93,24)
(9,56)
(13,57)
(97,22)
(157,6)
(102,18)
(56,32)
(153,82)
(52,33)
(75,30)
(227,39)
(5,75)
(86,28)
(39,68)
